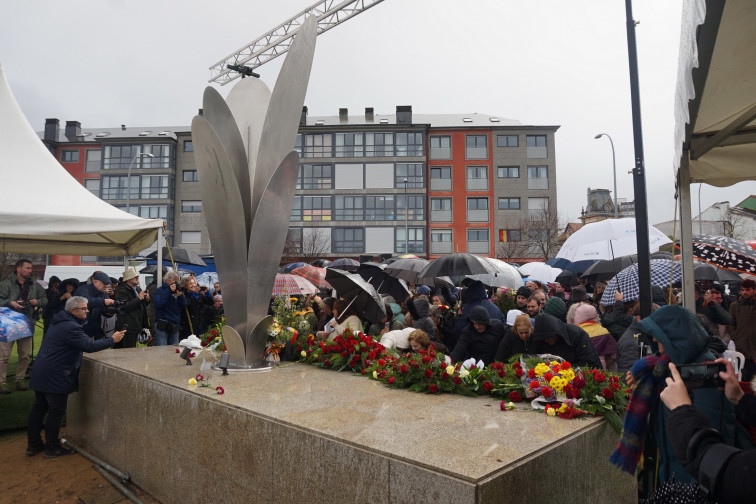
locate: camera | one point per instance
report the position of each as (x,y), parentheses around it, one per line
(702,375)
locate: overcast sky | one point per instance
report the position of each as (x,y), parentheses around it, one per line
(145,63)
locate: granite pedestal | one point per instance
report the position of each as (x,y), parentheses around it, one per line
(300,434)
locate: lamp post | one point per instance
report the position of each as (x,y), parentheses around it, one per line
(128,178)
(406,219)
(614,169)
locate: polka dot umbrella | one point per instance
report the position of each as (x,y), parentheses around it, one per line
(726,253)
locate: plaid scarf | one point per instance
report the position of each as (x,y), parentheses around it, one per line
(649,374)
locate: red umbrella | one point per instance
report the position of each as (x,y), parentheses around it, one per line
(313,274)
(291,285)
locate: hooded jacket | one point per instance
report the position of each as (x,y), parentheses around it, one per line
(573,344)
(479,345)
(56,368)
(476,296)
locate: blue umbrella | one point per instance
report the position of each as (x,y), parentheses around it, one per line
(664,272)
(574,266)
(13,326)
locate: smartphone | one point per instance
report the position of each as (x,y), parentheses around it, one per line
(702,375)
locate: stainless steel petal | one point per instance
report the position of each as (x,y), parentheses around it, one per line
(257,340)
(234,347)
(282,118)
(223,208)
(269,230)
(217,113)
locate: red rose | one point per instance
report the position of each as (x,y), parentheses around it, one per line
(178,351)
(429,373)
(371,355)
(391,380)
(344,354)
(503,405)
(433,389)
(569,394)
(531,373)
(579,382)
(219,390)
(203,343)
(534,384)
(607,393)
(426,359)
(517,365)
(519,372)
(599,377)
(327,363)
(414,364)
(487,386)
(444,375)
(546,392)
(364,371)
(457,380)
(576,393)
(382,375)
(381,362)
(403,368)
(502,373)
(515,396)
(615,386)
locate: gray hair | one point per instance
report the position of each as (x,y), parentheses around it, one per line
(217,298)
(75,302)
(171,275)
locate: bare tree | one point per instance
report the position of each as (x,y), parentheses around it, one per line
(306,245)
(512,249)
(541,229)
(735,224)
(7,262)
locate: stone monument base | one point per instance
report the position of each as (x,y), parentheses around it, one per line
(301,434)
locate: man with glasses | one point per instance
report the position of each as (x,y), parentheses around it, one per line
(95,294)
(56,374)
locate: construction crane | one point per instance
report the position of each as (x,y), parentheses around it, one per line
(277,41)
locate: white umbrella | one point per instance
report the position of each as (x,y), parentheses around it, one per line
(527,268)
(508,276)
(608,239)
(540,271)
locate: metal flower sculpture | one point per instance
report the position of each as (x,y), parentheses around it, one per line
(247,173)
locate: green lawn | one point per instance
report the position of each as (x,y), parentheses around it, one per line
(15,407)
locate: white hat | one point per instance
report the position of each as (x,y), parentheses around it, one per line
(512,315)
(129,274)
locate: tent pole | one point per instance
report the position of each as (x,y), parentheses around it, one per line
(686,232)
(159,265)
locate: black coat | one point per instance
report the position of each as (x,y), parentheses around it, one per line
(131,310)
(574,345)
(511,344)
(480,346)
(56,368)
(737,483)
(96,303)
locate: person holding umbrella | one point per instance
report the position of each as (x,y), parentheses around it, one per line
(344,318)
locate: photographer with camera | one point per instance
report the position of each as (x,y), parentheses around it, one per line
(169,301)
(723,472)
(131,303)
(22,294)
(97,298)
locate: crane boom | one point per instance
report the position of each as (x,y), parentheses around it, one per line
(277,41)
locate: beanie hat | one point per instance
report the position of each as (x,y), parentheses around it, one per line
(584,313)
(524,292)
(512,315)
(479,315)
(556,307)
(423,290)
(102,277)
(579,295)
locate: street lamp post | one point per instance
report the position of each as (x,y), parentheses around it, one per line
(128,178)
(406,219)
(614,168)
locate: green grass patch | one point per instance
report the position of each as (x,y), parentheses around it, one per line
(15,407)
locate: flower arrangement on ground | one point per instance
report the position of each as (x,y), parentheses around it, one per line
(213,338)
(357,352)
(288,323)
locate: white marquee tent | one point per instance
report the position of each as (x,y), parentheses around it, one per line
(715,106)
(44,210)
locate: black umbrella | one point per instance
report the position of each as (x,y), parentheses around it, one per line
(362,296)
(378,277)
(152,269)
(407,269)
(567,277)
(458,264)
(604,270)
(705,271)
(180,255)
(321,263)
(724,252)
(435,282)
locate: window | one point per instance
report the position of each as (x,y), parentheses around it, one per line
(538,235)
(93,185)
(477,178)
(477,241)
(476,147)
(413,172)
(115,187)
(509,203)
(441,210)
(349,208)
(440,178)
(477,209)
(188,146)
(440,147)
(507,141)
(538,177)
(314,176)
(415,244)
(441,241)
(93,158)
(415,211)
(409,144)
(317,146)
(510,235)
(379,144)
(119,157)
(508,171)
(154,211)
(191,206)
(161,156)
(537,206)
(379,208)
(69,156)
(536,146)
(348,240)
(154,186)
(191,237)
(349,145)
(190,176)
(316,208)
(294,240)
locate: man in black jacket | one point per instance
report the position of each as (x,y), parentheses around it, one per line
(56,374)
(132,306)
(724,471)
(552,336)
(94,292)
(480,339)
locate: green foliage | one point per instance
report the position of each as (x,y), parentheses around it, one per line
(505,300)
